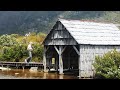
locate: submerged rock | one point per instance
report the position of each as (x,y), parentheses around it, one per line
(33,69)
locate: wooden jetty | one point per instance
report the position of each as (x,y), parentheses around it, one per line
(21,64)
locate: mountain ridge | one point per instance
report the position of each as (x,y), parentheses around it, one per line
(21,22)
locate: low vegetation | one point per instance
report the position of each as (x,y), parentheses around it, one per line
(108,65)
(13,48)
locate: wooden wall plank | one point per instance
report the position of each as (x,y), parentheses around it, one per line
(87,57)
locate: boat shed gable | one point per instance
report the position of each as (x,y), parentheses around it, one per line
(73,32)
(59,36)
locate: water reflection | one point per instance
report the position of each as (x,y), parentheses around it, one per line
(60,76)
(26,74)
(44,75)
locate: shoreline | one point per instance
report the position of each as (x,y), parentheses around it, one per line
(2,76)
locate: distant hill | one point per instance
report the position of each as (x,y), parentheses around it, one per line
(22,22)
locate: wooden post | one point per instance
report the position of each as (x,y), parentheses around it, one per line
(16,66)
(44,59)
(23,68)
(60,60)
(7,67)
(79,62)
(49,64)
(60,51)
(79,66)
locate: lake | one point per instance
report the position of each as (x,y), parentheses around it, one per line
(26,74)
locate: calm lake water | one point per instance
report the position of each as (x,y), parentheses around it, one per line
(26,74)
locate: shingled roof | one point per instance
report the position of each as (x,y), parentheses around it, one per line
(95,33)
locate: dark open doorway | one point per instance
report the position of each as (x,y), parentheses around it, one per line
(70,61)
(69,57)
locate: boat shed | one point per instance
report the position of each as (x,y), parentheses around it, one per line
(73,44)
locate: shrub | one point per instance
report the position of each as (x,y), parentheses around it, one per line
(14,53)
(37,51)
(7,40)
(19,51)
(107,66)
(14,47)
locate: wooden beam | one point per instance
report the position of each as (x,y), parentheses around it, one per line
(56,49)
(76,50)
(60,60)
(44,59)
(47,49)
(63,49)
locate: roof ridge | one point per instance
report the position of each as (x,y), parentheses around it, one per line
(94,21)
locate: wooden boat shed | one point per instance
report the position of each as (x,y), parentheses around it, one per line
(73,44)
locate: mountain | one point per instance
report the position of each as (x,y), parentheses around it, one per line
(21,22)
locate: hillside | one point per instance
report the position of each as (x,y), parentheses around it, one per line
(22,22)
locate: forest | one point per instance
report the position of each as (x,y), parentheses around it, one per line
(22,22)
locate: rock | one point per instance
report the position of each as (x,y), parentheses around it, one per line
(16,73)
(33,69)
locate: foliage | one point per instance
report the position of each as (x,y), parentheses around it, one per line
(14,53)
(38,51)
(16,49)
(7,40)
(14,35)
(107,66)
(33,37)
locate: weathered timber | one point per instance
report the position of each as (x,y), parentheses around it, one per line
(60,60)
(74,45)
(21,64)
